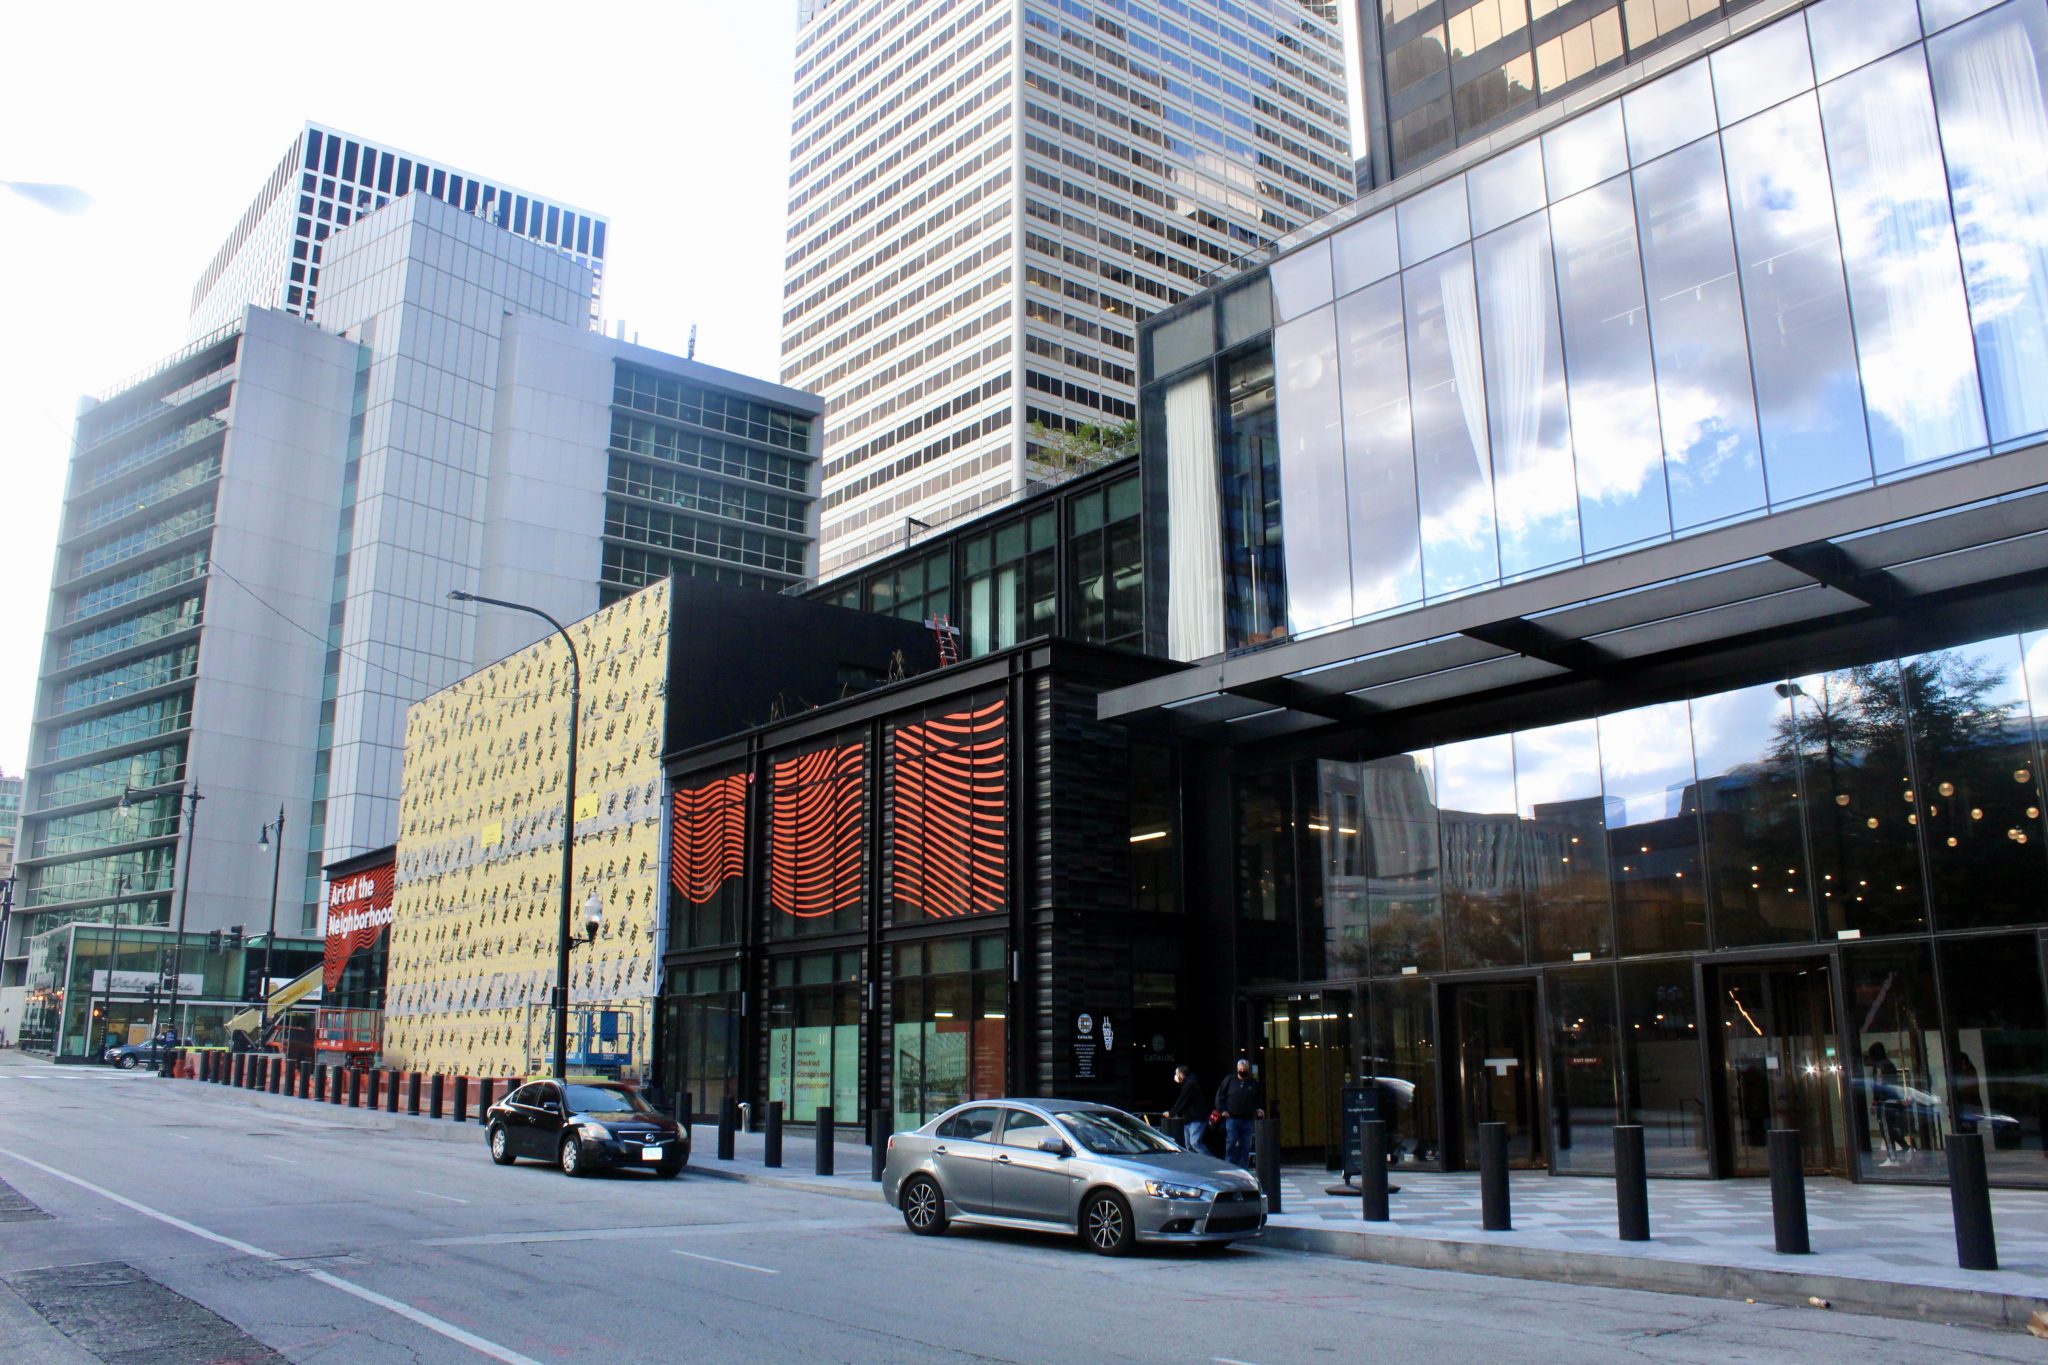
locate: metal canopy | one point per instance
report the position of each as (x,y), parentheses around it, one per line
(1893,552)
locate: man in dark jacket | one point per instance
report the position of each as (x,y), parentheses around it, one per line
(1241,1100)
(1188,1110)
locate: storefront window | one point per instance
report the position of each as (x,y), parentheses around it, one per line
(1403,1068)
(949,803)
(1266,878)
(1978,791)
(707,857)
(1653,830)
(1899,1080)
(1661,1049)
(1583,1062)
(1153,791)
(1482,852)
(1397,805)
(1853,751)
(1747,754)
(950,1019)
(1564,841)
(701,1026)
(817,841)
(1992,990)
(814,1035)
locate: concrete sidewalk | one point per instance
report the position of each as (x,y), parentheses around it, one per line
(1883,1250)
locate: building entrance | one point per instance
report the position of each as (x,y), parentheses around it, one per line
(1780,1063)
(1494,1042)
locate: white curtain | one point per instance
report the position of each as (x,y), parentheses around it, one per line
(1517,287)
(1988,89)
(1461,325)
(1194,605)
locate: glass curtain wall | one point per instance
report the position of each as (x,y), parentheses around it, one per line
(949,1025)
(814,1035)
(701,1029)
(1807,263)
(1889,812)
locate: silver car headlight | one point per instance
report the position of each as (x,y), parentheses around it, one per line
(1162,1189)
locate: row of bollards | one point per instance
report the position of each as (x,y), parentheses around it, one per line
(823,1156)
(1969,1188)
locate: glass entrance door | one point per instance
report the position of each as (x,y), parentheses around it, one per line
(1780,1067)
(1496,1046)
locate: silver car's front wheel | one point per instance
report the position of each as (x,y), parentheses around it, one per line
(924,1208)
(1106,1224)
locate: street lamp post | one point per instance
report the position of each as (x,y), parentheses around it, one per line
(562,936)
(263,840)
(191,799)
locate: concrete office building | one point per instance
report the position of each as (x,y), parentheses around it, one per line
(987,196)
(200,500)
(1440,74)
(326,180)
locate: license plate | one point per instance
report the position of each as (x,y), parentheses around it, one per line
(650,1153)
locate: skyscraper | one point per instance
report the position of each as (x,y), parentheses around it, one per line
(987,196)
(328,179)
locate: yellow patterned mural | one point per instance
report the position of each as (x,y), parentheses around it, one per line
(474,921)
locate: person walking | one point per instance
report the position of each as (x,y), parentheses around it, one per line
(1189,1110)
(1241,1100)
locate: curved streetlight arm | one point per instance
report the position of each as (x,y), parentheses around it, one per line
(564,934)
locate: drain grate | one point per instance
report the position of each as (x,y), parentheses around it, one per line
(16,1207)
(115,1312)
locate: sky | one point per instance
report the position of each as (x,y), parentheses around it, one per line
(671,118)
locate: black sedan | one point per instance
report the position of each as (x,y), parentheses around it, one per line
(583,1126)
(128,1056)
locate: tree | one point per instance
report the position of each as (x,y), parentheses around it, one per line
(1082,446)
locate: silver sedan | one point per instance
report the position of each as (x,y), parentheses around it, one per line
(1066,1166)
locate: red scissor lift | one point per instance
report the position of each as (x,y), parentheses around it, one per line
(350,1038)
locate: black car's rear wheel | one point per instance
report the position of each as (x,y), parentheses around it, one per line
(501,1146)
(1106,1224)
(572,1157)
(924,1208)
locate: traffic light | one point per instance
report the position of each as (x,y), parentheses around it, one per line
(234,936)
(214,938)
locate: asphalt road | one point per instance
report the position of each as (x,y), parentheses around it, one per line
(183,1226)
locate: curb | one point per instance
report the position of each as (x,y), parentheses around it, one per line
(1792,1288)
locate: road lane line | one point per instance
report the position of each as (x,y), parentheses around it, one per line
(449,1330)
(736,1265)
(285,1159)
(449,1197)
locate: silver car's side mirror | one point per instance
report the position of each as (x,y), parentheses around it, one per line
(1054,1146)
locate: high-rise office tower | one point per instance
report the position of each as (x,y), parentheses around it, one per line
(987,196)
(259,537)
(1439,74)
(328,179)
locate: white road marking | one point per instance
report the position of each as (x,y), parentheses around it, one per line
(405,1310)
(449,1197)
(182,1137)
(1226,1360)
(715,1260)
(284,1159)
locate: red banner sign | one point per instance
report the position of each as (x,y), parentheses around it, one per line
(358,908)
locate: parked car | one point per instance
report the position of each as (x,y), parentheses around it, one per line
(583,1126)
(1067,1166)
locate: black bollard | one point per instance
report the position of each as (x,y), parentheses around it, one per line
(826,1154)
(771,1139)
(1969,1196)
(1267,1159)
(1372,1170)
(686,1110)
(412,1094)
(728,1119)
(1631,1183)
(1494,1213)
(355,1088)
(435,1094)
(1788,1193)
(484,1087)
(878,1143)
(320,1083)
(235,1069)
(391,1091)
(462,1099)
(276,1075)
